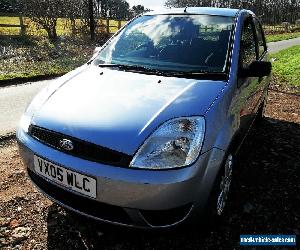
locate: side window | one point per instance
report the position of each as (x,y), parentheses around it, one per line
(260,38)
(248,46)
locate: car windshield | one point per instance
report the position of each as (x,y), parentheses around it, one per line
(171,43)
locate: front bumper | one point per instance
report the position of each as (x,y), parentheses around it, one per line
(132,197)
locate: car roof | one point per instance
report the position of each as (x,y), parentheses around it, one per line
(197,11)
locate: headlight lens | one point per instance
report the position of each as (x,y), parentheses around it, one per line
(176,143)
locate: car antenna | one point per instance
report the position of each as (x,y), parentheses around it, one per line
(185,9)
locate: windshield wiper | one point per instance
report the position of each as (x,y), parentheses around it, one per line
(200,74)
(129,67)
(194,74)
(136,68)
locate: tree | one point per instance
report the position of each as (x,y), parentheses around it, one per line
(138,9)
(117,9)
(269,11)
(10,6)
(91,19)
(73,9)
(44,13)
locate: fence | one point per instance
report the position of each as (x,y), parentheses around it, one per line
(279,29)
(12,22)
(17,25)
(107,26)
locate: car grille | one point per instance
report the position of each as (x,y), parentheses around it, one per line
(80,203)
(82,149)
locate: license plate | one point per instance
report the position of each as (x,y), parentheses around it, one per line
(77,182)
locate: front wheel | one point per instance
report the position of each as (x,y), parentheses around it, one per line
(224,186)
(219,195)
(261,111)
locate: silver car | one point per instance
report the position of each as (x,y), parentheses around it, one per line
(145,133)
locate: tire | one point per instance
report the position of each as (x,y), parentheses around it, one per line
(220,192)
(261,111)
(260,114)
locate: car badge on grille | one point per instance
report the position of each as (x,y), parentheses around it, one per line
(66,144)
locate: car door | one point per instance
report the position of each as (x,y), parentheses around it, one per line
(247,87)
(262,56)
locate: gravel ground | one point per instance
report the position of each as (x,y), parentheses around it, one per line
(264,197)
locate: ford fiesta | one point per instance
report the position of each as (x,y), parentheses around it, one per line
(145,134)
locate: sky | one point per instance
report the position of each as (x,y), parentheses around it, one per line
(150,4)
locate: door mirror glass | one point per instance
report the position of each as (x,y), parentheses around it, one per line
(256,69)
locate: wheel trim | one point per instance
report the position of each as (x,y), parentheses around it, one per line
(224,185)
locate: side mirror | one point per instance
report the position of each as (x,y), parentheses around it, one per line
(256,69)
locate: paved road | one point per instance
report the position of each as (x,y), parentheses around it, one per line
(14,99)
(276,46)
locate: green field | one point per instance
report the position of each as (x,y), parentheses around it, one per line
(280,37)
(287,65)
(9,20)
(63,26)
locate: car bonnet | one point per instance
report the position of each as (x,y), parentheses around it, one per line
(118,109)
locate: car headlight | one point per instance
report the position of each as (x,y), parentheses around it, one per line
(176,143)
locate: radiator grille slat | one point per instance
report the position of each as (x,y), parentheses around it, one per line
(82,149)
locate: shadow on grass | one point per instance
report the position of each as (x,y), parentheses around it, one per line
(264,200)
(17,41)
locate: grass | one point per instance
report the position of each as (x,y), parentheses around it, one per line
(24,57)
(280,37)
(287,65)
(54,67)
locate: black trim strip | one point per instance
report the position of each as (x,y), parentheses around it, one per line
(82,149)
